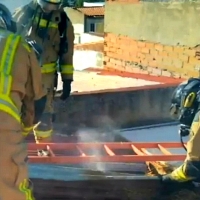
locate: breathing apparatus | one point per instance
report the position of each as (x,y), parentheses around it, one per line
(184,105)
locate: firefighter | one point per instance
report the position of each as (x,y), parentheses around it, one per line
(186,108)
(46,22)
(18,90)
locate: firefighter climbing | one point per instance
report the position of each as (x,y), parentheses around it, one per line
(17,94)
(46,22)
(186,108)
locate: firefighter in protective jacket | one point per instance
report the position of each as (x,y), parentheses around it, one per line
(186,108)
(18,90)
(46,22)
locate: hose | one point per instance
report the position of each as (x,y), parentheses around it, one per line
(181,139)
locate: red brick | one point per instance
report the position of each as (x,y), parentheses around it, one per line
(145,50)
(153,52)
(171,68)
(159,47)
(163,53)
(144,62)
(141,44)
(140,55)
(192,73)
(188,66)
(119,51)
(189,52)
(153,63)
(167,61)
(106,48)
(150,45)
(183,57)
(178,49)
(174,54)
(168,48)
(134,58)
(177,63)
(193,60)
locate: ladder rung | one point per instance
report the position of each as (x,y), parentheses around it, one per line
(75,153)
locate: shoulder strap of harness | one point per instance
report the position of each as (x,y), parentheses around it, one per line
(62,27)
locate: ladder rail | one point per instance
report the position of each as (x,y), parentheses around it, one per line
(78,152)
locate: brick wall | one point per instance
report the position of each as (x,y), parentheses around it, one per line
(93,46)
(123,53)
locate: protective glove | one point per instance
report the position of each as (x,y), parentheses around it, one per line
(184,130)
(187,172)
(66,89)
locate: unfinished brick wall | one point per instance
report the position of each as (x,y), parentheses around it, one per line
(93,46)
(125,54)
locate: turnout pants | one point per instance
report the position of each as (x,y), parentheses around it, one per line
(14,180)
(43,130)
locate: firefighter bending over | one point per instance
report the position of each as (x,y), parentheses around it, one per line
(46,22)
(186,108)
(18,86)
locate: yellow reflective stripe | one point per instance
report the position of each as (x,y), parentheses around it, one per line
(48,68)
(6,63)
(8,106)
(24,187)
(66,69)
(43,134)
(179,175)
(26,130)
(43,23)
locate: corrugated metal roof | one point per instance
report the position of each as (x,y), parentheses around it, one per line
(92,11)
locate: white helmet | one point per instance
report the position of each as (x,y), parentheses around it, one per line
(49,5)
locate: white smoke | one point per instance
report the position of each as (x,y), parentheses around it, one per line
(105,132)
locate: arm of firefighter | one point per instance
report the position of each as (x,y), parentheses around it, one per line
(28,112)
(20,17)
(37,87)
(36,77)
(66,60)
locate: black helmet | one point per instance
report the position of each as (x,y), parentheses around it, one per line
(6,20)
(185,101)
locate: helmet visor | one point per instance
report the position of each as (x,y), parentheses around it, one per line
(49,6)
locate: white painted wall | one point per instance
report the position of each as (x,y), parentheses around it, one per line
(86,59)
(86,38)
(97,4)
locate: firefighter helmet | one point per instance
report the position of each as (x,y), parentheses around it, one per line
(6,20)
(185,101)
(49,5)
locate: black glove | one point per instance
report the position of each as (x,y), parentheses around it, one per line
(184,130)
(66,89)
(39,108)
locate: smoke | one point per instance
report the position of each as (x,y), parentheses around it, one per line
(105,132)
